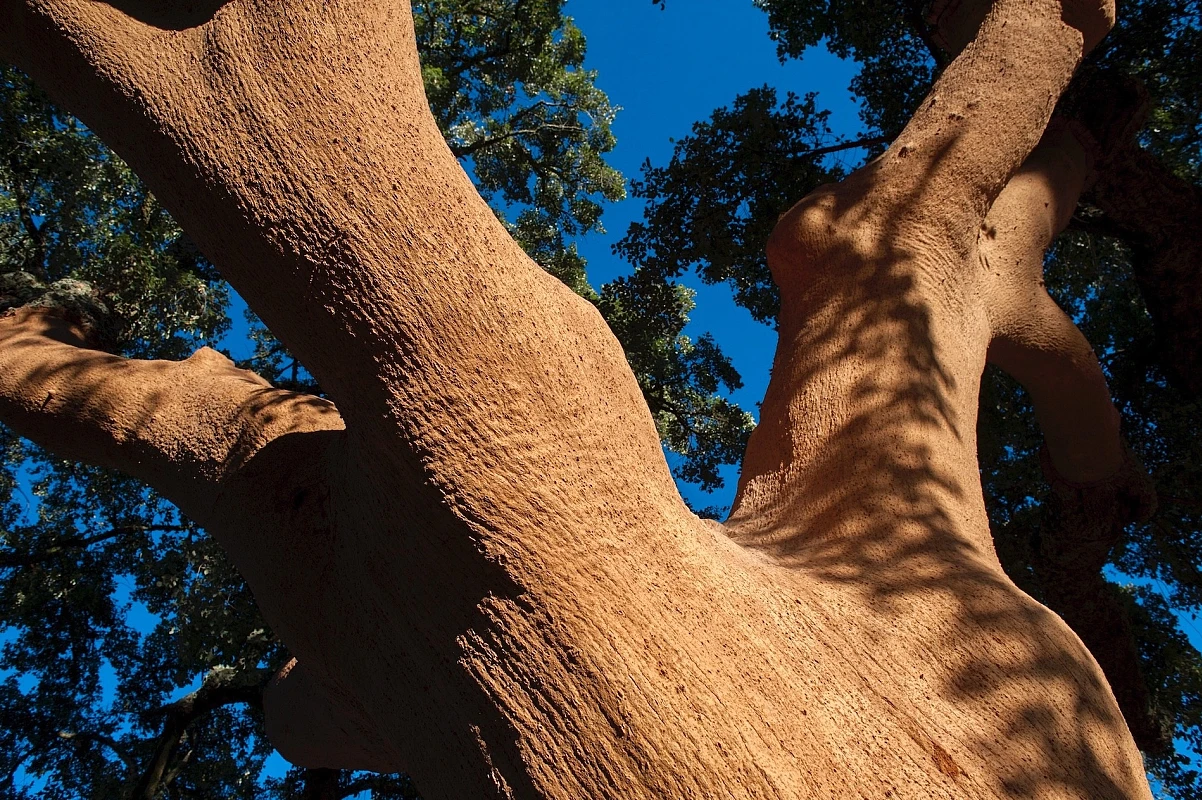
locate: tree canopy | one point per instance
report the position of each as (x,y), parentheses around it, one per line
(134,654)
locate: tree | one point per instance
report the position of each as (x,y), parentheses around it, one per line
(474,549)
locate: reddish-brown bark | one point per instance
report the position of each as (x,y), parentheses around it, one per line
(488,578)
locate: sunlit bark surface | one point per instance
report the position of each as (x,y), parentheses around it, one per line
(479,559)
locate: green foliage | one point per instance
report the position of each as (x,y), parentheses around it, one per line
(713,206)
(1160,43)
(680,377)
(506,81)
(70,209)
(889,39)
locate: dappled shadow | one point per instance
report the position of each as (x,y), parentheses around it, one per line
(181,426)
(862,477)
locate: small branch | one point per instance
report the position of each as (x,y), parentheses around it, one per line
(10,560)
(867,141)
(1096,226)
(1187,502)
(100,738)
(474,147)
(369,783)
(322,784)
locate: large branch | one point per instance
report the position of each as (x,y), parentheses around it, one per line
(1097,485)
(317,181)
(1033,340)
(221,687)
(183,427)
(863,469)
(879,285)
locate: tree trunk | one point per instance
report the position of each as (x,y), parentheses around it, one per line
(478,557)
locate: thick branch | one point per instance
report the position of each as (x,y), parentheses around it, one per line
(1033,340)
(1097,485)
(221,687)
(510,596)
(366,249)
(348,225)
(181,426)
(878,274)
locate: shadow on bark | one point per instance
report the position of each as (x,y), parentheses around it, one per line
(881,492)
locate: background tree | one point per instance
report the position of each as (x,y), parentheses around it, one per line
(680,378)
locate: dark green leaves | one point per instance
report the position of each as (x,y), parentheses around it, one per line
(69,208)
(681,378)
(507,84)
(713,206)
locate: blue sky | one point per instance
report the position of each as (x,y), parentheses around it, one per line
(667,69)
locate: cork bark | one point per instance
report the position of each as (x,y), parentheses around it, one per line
(475,550)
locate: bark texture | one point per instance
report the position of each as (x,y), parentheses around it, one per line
(487,576)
